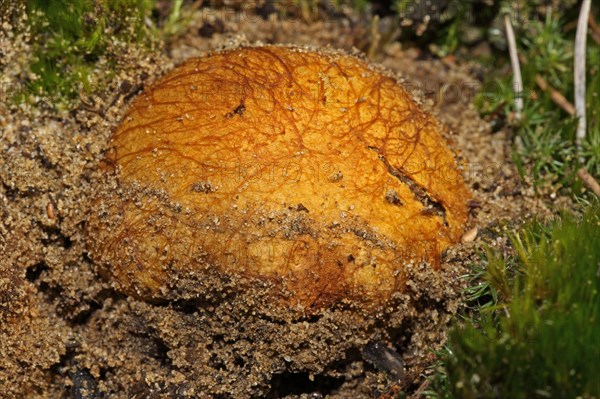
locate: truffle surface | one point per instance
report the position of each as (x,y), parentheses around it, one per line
(312,173)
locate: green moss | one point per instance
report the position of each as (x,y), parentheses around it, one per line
(70,37)
(545,136)
(535,334)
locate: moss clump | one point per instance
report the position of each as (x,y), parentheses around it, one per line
(70,37)
(537,335)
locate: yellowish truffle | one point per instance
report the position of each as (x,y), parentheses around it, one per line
(312,171)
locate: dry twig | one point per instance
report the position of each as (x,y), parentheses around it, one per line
(555,95)
(589,181)
(514,60)
(595,29)
(580,42)
(420,390)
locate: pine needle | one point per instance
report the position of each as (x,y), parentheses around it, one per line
(589,181)
(555,95)
(580,44)
(516,66)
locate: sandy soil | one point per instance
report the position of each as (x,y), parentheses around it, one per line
(65,332)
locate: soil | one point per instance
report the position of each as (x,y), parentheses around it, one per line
(66,332)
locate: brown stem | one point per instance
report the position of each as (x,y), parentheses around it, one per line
(589,181)
(555,95)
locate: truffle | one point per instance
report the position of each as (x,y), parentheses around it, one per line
(311,172)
